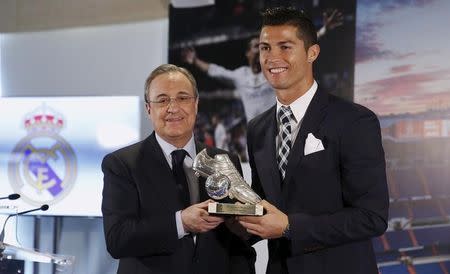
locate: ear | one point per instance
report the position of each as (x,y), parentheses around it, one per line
(148,108)
(313,53)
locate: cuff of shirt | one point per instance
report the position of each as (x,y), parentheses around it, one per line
(180,228)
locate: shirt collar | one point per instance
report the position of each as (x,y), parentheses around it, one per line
(300,105)
(167,148)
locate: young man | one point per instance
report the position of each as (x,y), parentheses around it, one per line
(154,208)
(316,159)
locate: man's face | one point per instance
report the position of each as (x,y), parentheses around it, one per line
(174,122)
(284,61)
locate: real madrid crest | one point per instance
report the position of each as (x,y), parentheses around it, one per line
(43,165)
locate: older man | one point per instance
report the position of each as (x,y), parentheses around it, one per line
(155,212)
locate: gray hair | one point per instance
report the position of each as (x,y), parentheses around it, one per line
(168,68)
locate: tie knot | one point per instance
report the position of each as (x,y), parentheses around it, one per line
(285,115)
(178,156)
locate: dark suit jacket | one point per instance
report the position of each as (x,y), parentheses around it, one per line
(139,204)
(336,199)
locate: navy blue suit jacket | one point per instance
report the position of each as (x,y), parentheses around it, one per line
(139,204)
(336,199)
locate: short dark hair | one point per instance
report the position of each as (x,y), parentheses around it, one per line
(167,68)
(277,16)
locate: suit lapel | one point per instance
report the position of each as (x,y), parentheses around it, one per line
(154,165)
(311,123)
(265,159)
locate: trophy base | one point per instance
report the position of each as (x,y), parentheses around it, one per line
(235,209)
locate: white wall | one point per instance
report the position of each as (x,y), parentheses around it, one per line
(106,60)
(101,60)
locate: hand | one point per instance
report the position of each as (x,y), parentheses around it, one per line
(196,218)
(236,228)
(333,19)
(269,226)
(188,55)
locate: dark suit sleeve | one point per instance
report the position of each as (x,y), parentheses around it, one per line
(127,233)
(364,192)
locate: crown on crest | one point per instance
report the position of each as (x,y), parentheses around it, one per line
(45,119)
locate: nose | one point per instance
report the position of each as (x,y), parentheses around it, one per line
(269,56)
(173,105)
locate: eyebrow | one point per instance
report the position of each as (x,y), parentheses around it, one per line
(179,93)
(285,42)
(278,43)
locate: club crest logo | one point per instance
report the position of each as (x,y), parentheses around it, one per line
(43,166)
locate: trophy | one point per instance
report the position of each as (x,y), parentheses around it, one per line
(223,180)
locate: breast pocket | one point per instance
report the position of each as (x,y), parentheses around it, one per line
(316,160)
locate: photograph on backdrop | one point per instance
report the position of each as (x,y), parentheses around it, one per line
(400,75)
(220,48)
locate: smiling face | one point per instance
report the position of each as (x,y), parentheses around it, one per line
(285,63)
(175,122)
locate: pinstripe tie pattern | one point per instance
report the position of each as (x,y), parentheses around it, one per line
(284,116)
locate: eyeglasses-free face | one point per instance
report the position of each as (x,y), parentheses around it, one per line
(172,107)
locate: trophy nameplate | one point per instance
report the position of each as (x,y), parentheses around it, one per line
(223,180)
(235,209)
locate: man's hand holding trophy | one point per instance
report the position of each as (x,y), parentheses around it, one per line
(223,180)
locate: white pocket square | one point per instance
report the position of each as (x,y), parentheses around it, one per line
(312,144)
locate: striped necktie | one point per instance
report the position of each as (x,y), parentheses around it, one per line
(284,116)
